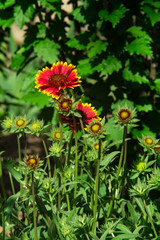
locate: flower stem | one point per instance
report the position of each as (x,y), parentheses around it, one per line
(34,207)
(84,148)
(19,155)
(76,161)
(1,181)
(48,160)
(96,188)
(150,217)
(118,172)
(61,164)
(3,225)
(69,150)
(12,184)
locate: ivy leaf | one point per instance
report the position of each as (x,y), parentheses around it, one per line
(115,16)
(152,14)
(144,108)
(6,4)
(140,46)
(96,47)
(6,19)
(53,5)
(137,32)
(22,17)
(84,67)
(77,13)
(110,65)
(129,76)
(47,50)
(74,43)
(41,100)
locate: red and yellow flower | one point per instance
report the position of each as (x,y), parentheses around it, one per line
(53,81)
(65,104)
(32,161)
(87,112)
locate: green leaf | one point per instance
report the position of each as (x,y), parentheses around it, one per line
(41,30)
(41,100)
(9,205)
(6,19)
(140,46)
(6,4)
(115,16)
(53,5)
(47,49)
(110,65)
(77,13)
(144,108)
(22,17)
(14,172)
(74,43)
(108,158)
(129,76)
(17,61)
(152,14)
(137,32)
(96,47)
(84,67)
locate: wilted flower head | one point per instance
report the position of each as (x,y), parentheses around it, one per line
(32,161)
(86,112)
(53,81)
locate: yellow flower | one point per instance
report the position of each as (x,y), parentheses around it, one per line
(148,141)
(96,146)
(21,123)
(57,135)
(95,127)
(124,115)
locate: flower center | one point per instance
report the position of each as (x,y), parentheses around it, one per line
(148,141)
(57,135)
(96,128)
(57,80)
(20,123)
(32,161)
(124,115)
(65,104)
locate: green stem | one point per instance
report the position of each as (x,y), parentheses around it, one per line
(61,164)
(69,150)
(84,148)
(12,184)
(3,225)
(76,162)
(150,217)
(1,181)
(19,156)
(34,207)
(118,172)
(48,160)
(96,188)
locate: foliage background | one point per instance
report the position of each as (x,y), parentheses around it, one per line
(114,44)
